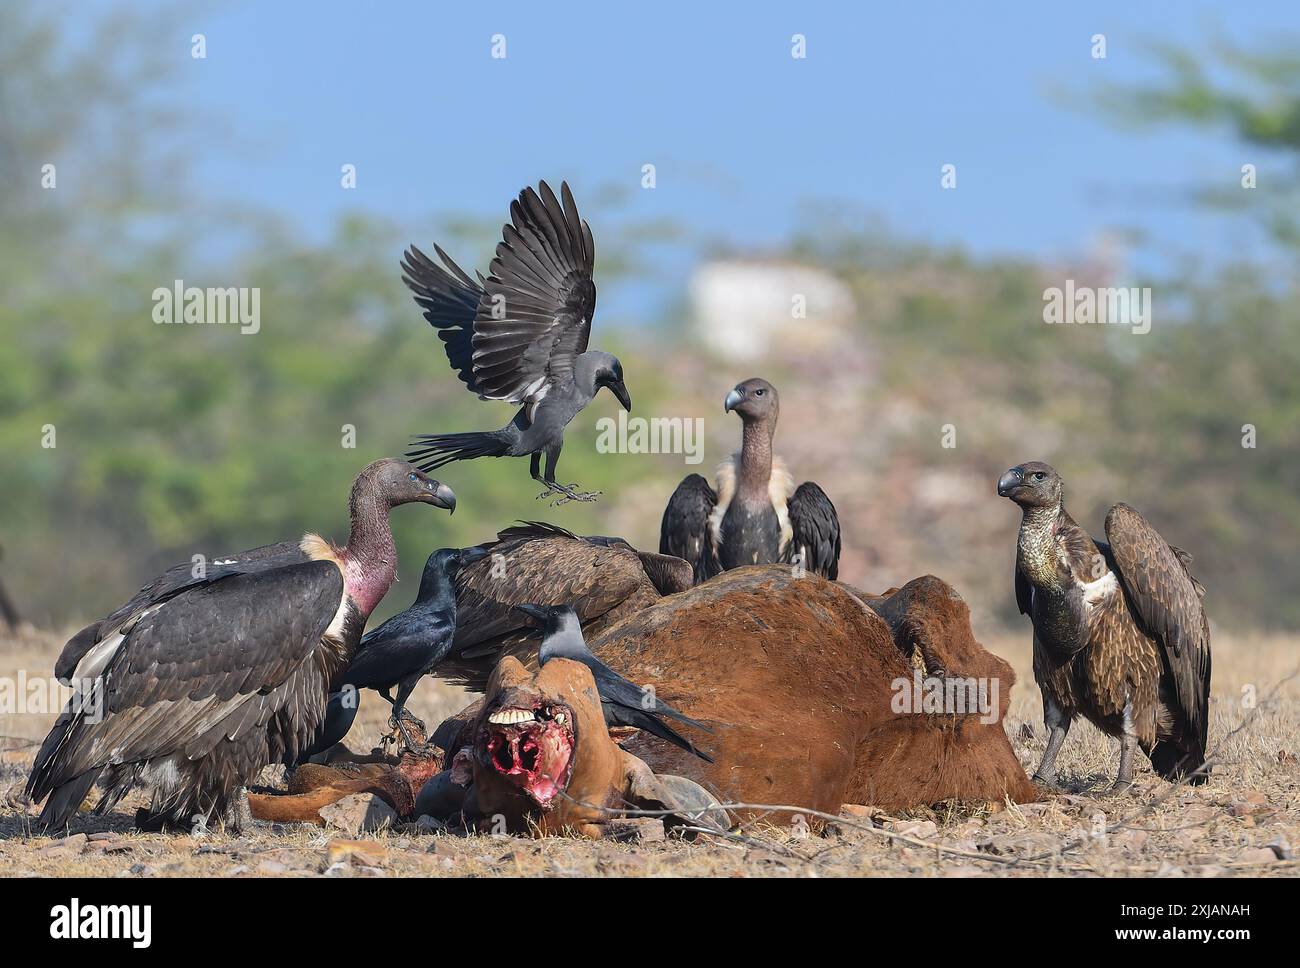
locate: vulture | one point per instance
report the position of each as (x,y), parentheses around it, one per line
(602,578)
(211,673)
(400,652)
(756,516)
(1120,634)
(624,703)
(520,335)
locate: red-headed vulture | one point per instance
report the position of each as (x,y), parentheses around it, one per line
(214,670)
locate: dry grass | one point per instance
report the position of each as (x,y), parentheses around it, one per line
(1222,828)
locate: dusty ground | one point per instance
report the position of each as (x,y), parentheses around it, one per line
(1243,823)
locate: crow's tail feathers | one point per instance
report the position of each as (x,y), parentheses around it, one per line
(434,450)
(663,709)
(652,724)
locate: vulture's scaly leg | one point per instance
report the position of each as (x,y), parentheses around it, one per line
(1058,724)
(1127,743)
(239,817)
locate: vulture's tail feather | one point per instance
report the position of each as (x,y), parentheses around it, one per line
(1173,763)
(434,450)
(64,800)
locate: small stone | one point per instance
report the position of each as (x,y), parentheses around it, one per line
(920,829)
(271,867)
(236,871)
(65,846)
(359,813)
(858,811)
(1247,807)
(1257,855)
(1281,847)
(361,853)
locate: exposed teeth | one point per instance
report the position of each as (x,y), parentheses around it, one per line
(510,717)
(559,718)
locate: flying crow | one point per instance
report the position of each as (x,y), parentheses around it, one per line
(401,651)
(1120,635)
(211,672)
(520,335)
(624,703)
(756,516)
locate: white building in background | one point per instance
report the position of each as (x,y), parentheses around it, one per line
(741,307)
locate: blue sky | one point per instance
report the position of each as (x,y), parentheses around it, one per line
(742,135)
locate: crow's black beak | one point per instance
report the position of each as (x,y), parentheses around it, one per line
(1009,481)
(619,390)
(470,555)
(539,612)
(442,497)
(733,401)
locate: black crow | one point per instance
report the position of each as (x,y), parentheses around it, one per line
(624,702)
(404,649)
(1120,635)
(520,335)
(208,675)
(757,516)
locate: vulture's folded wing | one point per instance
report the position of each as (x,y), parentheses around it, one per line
(684,530)
(168,585)
(449,299)
(534,318)
(1167,605)
(213,662)
(533,564)
(1024,592)
(815,531)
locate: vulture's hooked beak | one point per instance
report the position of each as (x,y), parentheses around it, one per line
(441,496)
(619,390)
(1009,481)
(539,612)
(733,400)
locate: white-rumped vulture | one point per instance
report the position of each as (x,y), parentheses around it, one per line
(210,673)
(757,516)
(1120,635)
(520,335)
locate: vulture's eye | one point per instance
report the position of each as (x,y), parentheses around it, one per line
(413,477)
(1039,475)
(759,392)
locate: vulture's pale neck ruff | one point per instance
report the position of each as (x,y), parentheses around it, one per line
(369,559)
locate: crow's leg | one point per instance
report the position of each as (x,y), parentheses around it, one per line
(566,493)
(535,469)
(1057,721)
(399,709)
